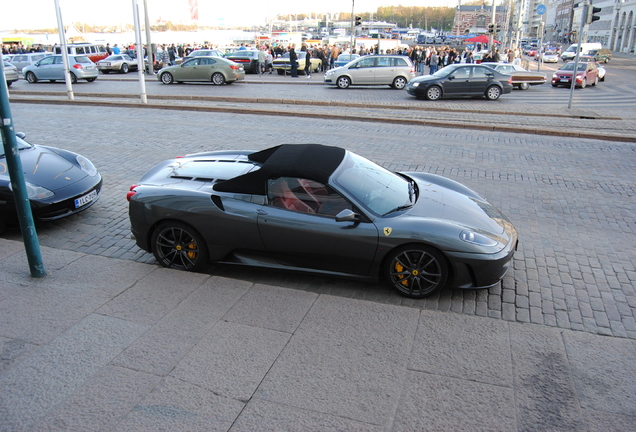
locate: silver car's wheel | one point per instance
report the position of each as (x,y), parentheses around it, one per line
(179,246)
(73,78)
(218,78)
(399,83)
(124,68)
(343,82)
(416,271)
(30,77)
(524,86)
(493,92)
(167,78)
(434,93)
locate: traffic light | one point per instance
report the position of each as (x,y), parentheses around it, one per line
(498,28)
(358,20)
(590,18)
(491,28)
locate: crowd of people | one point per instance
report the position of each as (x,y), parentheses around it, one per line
(425,58)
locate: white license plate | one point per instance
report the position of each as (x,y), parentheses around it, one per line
(83,200)
(565,80)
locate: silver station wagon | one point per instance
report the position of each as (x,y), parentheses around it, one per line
(392,70)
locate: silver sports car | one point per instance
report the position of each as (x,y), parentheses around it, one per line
(320,208)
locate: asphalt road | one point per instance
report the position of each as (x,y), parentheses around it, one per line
(572,200)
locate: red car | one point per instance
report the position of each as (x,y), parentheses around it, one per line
(587,73)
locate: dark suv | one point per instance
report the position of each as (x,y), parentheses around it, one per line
(602,55)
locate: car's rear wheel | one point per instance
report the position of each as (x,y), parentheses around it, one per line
(493,92)
(124,68)
(91,79)
(167,78)
(595,81)
(399,83)
(73,78)
(584,83)
(30,77)
(343,82)
(524,86)
(280,72)
(218,78)
(416,271)
(434,93)
(105,71)
(178,246)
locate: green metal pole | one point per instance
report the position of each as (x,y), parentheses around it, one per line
(14,164)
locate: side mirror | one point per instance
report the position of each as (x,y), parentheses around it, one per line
(347,216)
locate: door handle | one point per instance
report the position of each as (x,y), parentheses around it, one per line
(261,212)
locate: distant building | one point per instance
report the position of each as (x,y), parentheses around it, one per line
(475,19)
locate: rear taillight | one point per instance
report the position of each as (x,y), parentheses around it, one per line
(77,66)
(131,192)
(237,67)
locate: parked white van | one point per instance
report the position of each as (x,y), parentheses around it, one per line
(570,53)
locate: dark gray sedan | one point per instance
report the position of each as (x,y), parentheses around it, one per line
(319,208)
(461,80)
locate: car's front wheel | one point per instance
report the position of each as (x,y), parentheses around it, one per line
(30,77)
(416,271)
(584,83)
(399,83)
(178,246)
(493,92)
(343,82)
(167,78)
(218,78)
(595,81)
(434,93)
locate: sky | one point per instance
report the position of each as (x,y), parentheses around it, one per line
(35,14)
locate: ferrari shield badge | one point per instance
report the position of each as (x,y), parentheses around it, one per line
(387,231)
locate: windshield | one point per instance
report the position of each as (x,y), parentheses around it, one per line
(570,67)
(21,146)
(380,190)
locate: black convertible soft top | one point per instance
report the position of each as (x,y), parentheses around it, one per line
(309,161)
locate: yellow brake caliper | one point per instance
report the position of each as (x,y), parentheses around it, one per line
(400,268)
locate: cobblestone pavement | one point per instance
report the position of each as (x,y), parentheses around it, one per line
(571,199)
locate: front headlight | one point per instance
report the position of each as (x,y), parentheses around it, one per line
(86,165)
(476,238)
(415,84)
(35,192)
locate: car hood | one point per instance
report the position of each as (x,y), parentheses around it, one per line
(43,167)
(447,200)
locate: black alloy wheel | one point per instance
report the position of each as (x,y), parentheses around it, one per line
(416,271)
(178,246)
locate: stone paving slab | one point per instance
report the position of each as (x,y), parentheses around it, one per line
(329,363)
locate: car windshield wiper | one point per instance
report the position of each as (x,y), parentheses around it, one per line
(402,207)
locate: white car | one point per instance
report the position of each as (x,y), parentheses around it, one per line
(550,57)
